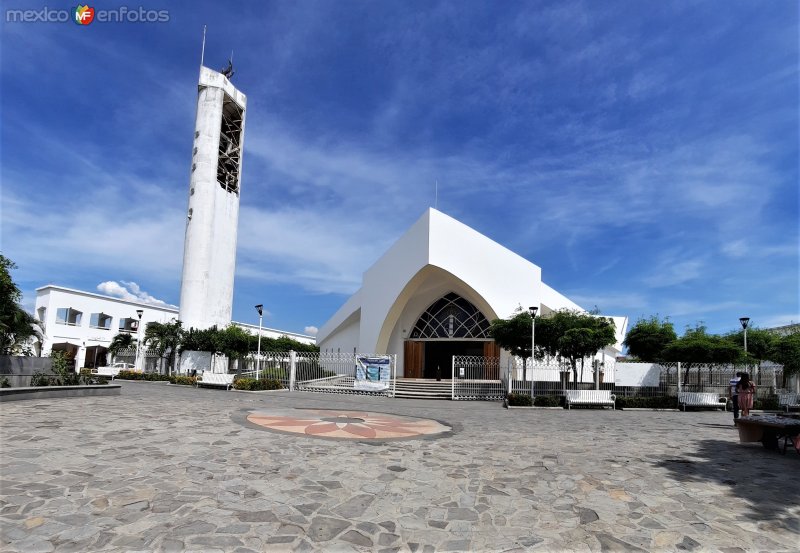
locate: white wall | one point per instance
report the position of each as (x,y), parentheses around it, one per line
(276,333)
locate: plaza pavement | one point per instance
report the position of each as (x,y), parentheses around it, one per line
(171,468)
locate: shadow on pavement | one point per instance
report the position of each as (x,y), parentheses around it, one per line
(766,479)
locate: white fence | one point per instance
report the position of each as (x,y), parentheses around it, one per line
(340,373)
(636,379)
(476,378)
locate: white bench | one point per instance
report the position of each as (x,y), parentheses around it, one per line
(590,397)
(788,399)
(701,399)
(215,379)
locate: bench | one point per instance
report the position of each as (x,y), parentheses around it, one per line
(701,399)
(590,397)
(788,399)
(769,430)
(215,379)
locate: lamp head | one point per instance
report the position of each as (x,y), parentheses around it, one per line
(533,310)
(140,312)
(745,321)
(260,309)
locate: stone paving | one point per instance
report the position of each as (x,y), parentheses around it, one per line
(171,468)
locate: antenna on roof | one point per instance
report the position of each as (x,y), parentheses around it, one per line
(203,51)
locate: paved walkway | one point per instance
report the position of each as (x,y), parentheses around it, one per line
(170,468)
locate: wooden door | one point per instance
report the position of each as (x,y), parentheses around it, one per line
(413,359)
(491,355)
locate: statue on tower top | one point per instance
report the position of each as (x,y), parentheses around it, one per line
(228,71)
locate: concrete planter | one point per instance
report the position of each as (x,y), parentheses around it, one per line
(52,392)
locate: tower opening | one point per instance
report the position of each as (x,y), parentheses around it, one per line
(230,141)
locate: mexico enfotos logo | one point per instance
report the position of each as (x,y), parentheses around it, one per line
(85,15)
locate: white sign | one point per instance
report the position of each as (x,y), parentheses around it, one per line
(373,373)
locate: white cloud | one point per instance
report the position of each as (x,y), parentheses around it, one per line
(311,330)
(129,291)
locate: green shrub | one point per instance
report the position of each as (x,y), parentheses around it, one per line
(640,402)
(183,380)
(40,379)
(767,404)
(547,401)
(4,383)
(87,378)
(519,400)
(253,384)
(64,375)
(275,373)
(135,375)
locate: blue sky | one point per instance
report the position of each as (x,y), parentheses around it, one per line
(644,154)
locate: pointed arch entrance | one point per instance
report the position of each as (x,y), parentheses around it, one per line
(450,326)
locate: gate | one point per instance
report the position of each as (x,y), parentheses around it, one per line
(475,378)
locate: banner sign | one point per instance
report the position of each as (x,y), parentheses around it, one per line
(373,373)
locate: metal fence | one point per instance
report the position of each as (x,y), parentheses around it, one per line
(551,378)
(324,372)
(476,378)
(151,361)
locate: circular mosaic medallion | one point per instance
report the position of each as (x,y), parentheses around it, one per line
(346,425)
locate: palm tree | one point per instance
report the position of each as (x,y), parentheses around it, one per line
(164,338)
(121,341)
(17,326)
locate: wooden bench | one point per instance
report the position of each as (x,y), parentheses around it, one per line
(215,379)
(769,430)
(788,399)
(590,397)
(701,399)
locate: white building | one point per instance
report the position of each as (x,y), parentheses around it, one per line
(433,294)
(84,323)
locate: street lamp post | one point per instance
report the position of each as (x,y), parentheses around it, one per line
(260,309)
(533,311)
(139,364)
(745,322)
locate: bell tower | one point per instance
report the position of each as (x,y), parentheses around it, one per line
(209,251)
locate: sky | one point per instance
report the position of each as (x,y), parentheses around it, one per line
(644,154)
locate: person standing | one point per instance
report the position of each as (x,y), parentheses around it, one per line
(747,391)
(734,394)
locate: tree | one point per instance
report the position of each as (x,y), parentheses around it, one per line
(234,342)
(164,338)
(647,339)
(759,342)
(570,334)
(585,335)
(514,334)
(200,340)
(282,343)
(697,346)
(17,326)
(786,351)
(121,341)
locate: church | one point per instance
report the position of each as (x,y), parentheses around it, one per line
(433,294)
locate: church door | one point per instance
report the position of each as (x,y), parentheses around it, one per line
(491,352)
(413,359)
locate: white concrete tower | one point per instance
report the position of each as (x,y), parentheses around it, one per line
(209,251)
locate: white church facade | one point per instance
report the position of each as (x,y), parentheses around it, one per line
(433,294)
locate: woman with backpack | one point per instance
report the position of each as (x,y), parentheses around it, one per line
(746,390)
